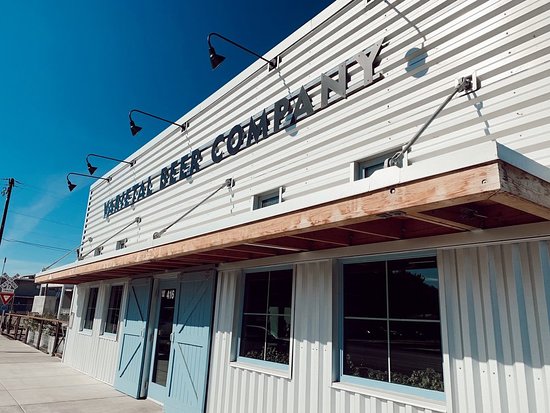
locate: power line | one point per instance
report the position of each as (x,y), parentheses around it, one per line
(45,219)
(33,244)
(61,237)
(23,185)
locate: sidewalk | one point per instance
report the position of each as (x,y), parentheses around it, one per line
(34,382)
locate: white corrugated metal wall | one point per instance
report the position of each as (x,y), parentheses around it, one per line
(506,42)
(234,388)
(91,352)
(496,339)
(497,301)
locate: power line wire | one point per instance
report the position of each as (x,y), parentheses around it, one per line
(33,244)
(23,185)
(45,219)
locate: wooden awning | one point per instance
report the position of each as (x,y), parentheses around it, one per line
(490,195)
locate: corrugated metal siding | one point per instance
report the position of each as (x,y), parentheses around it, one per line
(91,353)
(506,42)
(498,310)
(233,389)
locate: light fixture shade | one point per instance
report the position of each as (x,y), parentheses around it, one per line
(91,168)
(70,185)
(134,128)
(215,59)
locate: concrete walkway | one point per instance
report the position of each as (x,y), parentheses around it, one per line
(34,382)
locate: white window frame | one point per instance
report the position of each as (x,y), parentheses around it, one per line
(263,366)
(375,386)
(105,311)
(256,201)
(358,166)
(83,329)
(121,244)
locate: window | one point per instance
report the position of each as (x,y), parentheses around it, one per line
(98,251)
(90,308)
(120,244)
(366,167)
(266,318)
(391,324)
(268,198)
(113,309)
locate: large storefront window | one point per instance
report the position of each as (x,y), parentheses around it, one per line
(266,318)
(391,326)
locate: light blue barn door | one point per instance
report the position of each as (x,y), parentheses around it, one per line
(134,332)
(190,350)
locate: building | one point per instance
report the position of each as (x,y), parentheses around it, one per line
(264,260)
(24,294)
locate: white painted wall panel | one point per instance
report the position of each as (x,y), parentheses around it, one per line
(92,353)
(497,303)
(506,42)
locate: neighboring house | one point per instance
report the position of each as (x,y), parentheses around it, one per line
(54,300)
(311,278)
(24,294)
(45,299)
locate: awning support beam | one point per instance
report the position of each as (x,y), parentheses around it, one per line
(466,84)
(229,183)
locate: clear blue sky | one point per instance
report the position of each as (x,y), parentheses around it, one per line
(71,70)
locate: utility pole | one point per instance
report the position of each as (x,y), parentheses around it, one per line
(11,182)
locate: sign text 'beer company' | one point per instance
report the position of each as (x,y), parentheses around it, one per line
(285,112)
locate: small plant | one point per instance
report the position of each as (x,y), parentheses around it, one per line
(49,329)
(425,379)
(31,324)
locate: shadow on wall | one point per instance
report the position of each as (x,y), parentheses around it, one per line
(502,292)
(416,58)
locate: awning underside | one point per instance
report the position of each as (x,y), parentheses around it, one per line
(486,196)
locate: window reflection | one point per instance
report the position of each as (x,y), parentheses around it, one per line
(391,322)
(266,322)
(113,309)
(90,308)
(164,330)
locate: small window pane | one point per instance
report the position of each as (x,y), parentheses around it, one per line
(255,293)
(365,290)
(416,358)
(113,310)
(267,199)
(253,336)
(280,292)
(121,243)
(90,309)
(366,349)
(368,169)
(414,289)
(278,339)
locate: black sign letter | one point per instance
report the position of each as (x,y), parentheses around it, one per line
(217,156)
(234,143)
(282,107)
